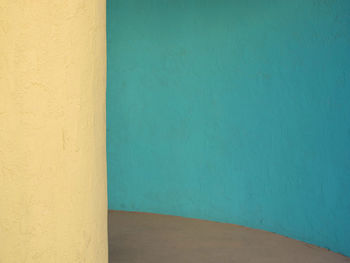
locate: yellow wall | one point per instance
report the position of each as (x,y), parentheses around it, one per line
(53,204)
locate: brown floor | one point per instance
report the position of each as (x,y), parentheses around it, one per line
(150,238)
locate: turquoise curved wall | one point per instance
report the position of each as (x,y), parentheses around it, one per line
(234,111)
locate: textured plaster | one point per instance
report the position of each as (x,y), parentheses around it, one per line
(53,203)
(232,110)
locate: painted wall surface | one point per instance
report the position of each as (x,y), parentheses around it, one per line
(53,200)
(235,111)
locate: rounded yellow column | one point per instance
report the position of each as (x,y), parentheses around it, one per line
(53,202)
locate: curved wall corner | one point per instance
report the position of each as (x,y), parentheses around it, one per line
(53,201)
(232,110)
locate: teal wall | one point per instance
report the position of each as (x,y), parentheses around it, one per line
(234,111)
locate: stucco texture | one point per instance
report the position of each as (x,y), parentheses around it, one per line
(53,203)
(236,111)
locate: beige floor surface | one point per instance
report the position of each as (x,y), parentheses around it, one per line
(150,238)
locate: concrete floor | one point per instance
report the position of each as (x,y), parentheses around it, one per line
(150,238)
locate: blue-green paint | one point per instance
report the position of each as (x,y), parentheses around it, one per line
(234,111)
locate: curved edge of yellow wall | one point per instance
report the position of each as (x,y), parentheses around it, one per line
(53,185)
